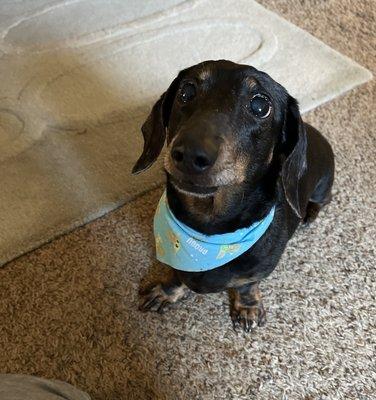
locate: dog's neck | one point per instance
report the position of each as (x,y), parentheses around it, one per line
(229,208)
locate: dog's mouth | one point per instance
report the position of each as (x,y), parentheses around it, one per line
(191,188)
(205,184)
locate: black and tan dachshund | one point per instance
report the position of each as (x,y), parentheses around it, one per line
(236,147)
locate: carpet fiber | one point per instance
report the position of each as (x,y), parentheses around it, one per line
(76,87)
(69,309)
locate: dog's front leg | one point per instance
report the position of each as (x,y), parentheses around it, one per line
(247,309)
(157,296)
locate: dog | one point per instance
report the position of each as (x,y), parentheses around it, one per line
(238,156)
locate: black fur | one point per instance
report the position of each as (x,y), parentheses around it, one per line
(297,178)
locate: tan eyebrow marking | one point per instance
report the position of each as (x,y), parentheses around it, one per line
(204,74)
(250,82)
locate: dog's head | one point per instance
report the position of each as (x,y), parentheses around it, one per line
(224,124)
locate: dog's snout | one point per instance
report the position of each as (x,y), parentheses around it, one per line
(194,156)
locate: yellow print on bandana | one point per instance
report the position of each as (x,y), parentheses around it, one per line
(227,249)
(158,246)
(174,239)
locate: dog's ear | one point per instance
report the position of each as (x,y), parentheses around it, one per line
(294,142)
(154,128)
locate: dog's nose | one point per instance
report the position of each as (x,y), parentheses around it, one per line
(192,157)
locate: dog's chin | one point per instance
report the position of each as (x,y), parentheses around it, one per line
(192,189)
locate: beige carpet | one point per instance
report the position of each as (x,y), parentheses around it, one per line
(79,78)
(69,310)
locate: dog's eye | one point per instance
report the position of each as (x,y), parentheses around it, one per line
(260,106)
(187,92)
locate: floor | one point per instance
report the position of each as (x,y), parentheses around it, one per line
(69,309)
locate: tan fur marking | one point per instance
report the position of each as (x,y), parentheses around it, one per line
(254,295)
(255,292)
(247,310)
(237,282)
(156,298)
(204,74)
(270,157)
(250,82)
(178,293)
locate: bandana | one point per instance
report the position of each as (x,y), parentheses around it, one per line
(185,249)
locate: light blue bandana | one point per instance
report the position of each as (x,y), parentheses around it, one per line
(185,249)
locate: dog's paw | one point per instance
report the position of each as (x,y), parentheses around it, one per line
(157,297)
(248,317)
